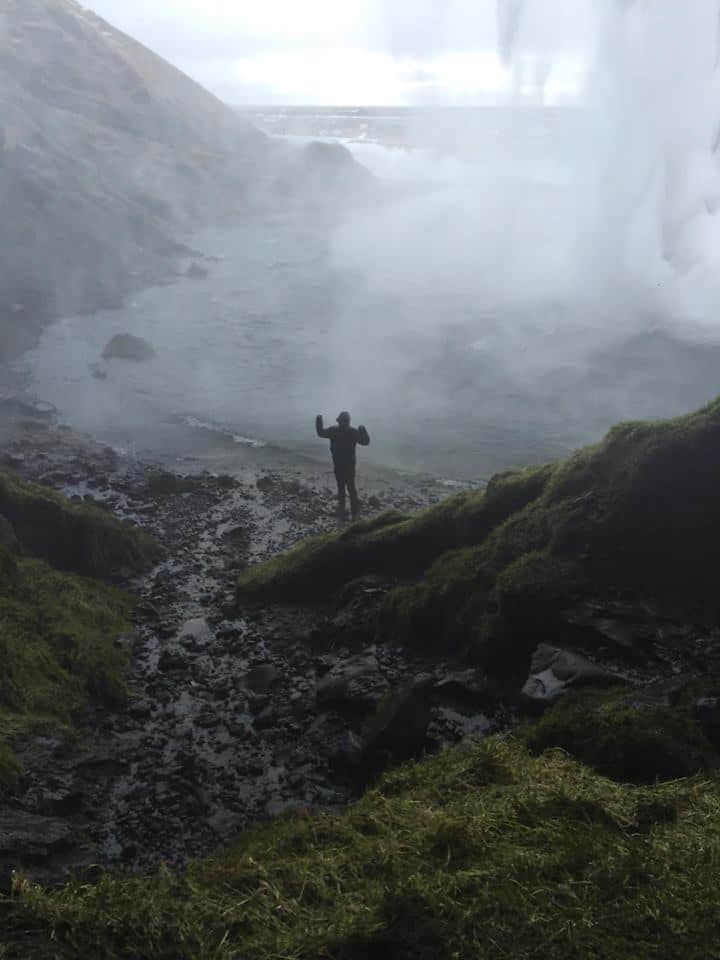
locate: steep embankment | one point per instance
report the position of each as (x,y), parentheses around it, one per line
(478,853)
(488,574)
(59,631)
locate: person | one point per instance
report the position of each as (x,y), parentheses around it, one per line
(343,441)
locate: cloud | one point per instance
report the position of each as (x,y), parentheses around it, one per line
(358,51)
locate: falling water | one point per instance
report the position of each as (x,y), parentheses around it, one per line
(648,149)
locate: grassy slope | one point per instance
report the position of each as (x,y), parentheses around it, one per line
(640,511)
(58,630)
(74,537)
(481,852)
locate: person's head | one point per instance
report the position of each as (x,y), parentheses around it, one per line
(343,419)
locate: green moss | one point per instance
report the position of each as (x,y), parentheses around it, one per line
(626,735)
(393,542)
(639,511)
(57,648)
(477,853)
(71,536)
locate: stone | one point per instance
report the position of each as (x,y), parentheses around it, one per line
(707,714)
(465,686)
(355,683)
(27,839)
(553,671)
(261,678)
(126,346)
(171,660)
(399,727)
(196,271)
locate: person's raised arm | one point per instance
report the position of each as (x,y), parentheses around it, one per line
(363,437)
(319,429)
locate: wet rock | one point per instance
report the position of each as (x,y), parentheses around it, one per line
(356,684)
(261,678)
(161,483)
(632,630)
(27,839)
(449,725)
(196,271)
(396,732)
(126,346)
(554,671)
(707,714)
(172,660)
(467,686)
(267,717)
(324,664)
(400,726)
(349,753)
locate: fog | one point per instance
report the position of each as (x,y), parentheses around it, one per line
(527,274)
(552,236)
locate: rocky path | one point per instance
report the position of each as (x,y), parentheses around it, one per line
(234,715)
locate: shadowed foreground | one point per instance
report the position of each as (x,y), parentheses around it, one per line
(480,852)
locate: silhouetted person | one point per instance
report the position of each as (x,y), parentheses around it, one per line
(343,441)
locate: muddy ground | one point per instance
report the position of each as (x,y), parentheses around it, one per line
(235,714)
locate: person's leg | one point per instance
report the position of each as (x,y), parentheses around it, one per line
(354,498)
(341,479)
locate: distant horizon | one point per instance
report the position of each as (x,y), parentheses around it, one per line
(402,107)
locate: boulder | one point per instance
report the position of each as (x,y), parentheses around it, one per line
(707,714)
(554,671)
(28,840)
(396,732)
(126,346)
(355,684)
(196,271)
(261,678)
(468,687)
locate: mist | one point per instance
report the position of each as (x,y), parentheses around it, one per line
(522,275)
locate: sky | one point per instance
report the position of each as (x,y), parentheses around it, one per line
(348,51)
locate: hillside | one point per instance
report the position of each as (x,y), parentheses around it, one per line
(107,154)
(590,828)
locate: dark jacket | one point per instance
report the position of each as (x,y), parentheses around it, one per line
(343,441)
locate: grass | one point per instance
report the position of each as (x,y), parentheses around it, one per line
(639,511)
(69,536)
(630,735)
(392,542)
(481,852)
(58,631)
(57,650)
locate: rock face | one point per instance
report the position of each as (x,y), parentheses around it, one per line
(554,671)
(105,150)
(125,346)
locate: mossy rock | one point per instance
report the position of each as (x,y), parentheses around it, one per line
(74,537)
(636,736)
(480,852)
(638,512)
